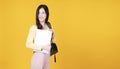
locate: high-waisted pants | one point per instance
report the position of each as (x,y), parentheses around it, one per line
(40,60)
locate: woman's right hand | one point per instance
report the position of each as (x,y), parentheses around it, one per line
(46,47)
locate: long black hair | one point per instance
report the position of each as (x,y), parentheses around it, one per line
(39,26)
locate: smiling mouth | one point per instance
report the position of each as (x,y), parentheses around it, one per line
(41,17)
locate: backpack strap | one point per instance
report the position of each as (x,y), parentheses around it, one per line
(54,58)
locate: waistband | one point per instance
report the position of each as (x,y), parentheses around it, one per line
(39,51)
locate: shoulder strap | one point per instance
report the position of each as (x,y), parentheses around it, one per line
(54,58)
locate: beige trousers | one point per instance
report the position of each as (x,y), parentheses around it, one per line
(40,60)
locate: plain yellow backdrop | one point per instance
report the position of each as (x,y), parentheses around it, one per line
(87,33)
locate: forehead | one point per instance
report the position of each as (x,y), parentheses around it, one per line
(41,10)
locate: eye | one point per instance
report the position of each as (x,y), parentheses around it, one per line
(43,12)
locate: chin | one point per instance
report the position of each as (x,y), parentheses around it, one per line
(41,20)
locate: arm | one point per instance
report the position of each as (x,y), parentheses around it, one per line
(30,39)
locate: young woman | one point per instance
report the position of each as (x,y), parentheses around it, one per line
(39,39)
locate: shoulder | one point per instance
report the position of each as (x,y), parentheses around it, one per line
(33,27)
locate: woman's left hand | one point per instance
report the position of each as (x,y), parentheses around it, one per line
(47,47)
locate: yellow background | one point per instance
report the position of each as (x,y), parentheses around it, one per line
(87,33)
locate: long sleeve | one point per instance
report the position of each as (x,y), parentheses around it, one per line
(30,39)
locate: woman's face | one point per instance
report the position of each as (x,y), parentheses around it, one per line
(42,15)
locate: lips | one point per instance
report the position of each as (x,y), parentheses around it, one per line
(40,17)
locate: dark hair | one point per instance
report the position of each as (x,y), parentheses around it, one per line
(39,26)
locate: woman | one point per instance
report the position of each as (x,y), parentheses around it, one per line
(39,39)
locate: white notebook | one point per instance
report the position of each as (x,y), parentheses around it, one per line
(43,38)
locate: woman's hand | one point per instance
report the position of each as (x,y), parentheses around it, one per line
(46,47)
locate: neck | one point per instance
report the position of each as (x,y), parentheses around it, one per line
(42,23)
